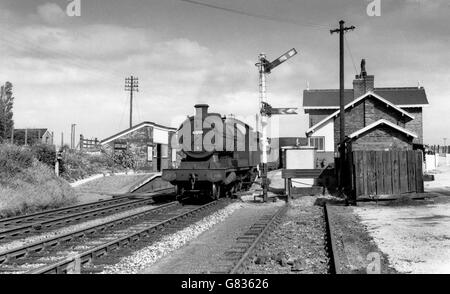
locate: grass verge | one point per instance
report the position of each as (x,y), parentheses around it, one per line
(27,185)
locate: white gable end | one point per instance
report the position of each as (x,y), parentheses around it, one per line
(326,131)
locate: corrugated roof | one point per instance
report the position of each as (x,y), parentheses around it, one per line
(398,96)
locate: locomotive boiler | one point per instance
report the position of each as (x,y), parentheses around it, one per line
(220,156)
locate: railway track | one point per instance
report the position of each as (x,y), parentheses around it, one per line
(335,264)
(12,228)
(14,221)
(236,257)
(89,244)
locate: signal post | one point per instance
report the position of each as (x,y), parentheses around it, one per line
(266,111)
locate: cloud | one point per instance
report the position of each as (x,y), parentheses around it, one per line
(51,13)
(72,69)
(68,69)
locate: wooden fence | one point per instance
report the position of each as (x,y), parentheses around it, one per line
(89,144)
(440,149)
(385,172)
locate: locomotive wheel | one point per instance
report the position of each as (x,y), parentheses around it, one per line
(215,192)
(179,192)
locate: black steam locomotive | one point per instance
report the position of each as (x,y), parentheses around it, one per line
(220,156)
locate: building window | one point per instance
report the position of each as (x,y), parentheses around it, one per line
(165,151)
(149,153)
(318,142)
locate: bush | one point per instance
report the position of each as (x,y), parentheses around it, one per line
(45,154)
(124,159)
(77,165)
(13,159)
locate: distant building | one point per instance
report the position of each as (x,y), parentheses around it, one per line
(149,143)
(376,118)
(276,156)
(32,136)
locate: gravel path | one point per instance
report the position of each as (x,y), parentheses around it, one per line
(297,245)
(26,241)
(415,236)
(416,239)
(197,248)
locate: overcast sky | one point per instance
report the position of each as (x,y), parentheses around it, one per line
(72,69)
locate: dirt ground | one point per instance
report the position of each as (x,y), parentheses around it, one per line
(416,235)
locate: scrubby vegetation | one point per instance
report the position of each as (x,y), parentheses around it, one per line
(78,165)
(27,184)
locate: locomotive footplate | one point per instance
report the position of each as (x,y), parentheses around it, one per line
(200,175)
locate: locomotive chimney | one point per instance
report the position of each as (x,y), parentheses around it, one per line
(201,110)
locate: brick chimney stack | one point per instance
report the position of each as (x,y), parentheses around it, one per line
(363,83)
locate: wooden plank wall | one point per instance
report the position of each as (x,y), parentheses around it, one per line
(386,172)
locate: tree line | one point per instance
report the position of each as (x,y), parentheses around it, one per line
(6,111)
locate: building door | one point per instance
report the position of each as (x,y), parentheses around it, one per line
(157,166)
(158,159)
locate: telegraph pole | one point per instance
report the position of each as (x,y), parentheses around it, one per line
(131,85)
(72,136)
(341,32)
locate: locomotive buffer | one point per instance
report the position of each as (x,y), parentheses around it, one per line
(265,67)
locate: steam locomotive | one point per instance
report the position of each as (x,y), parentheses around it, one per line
(220,156)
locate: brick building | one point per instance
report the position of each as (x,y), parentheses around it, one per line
(376,118)
(149,144)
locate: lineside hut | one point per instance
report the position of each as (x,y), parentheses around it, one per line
(149,144)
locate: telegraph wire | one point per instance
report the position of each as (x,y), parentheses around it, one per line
(14,41)
(266,17)
(351,55)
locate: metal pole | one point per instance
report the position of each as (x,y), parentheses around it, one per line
(264,123)
(341,104)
